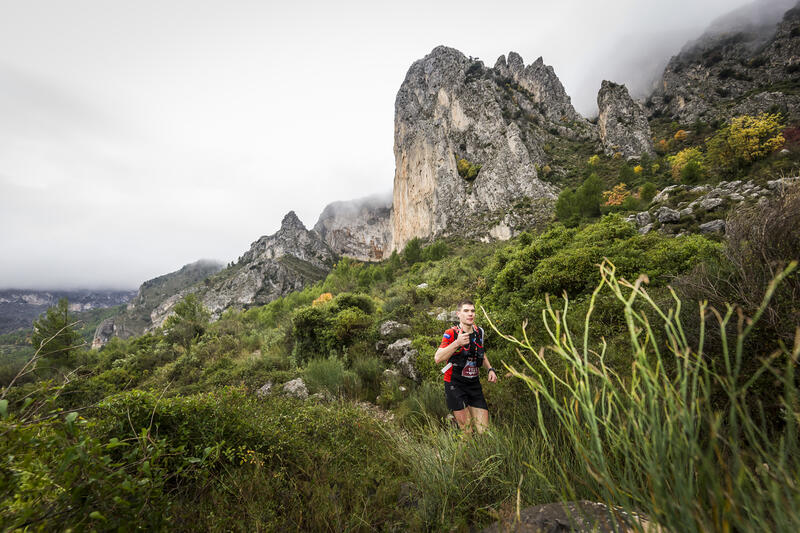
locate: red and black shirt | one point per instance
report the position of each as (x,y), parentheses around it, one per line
(466,359)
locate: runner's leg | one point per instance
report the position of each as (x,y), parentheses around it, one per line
(464,419)
(480,417)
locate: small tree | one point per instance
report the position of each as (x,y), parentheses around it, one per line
(189,321)
(745,140)
(54,334)
(688,157)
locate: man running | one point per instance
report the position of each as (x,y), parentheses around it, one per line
(462,346)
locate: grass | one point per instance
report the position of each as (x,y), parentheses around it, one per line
(679,440)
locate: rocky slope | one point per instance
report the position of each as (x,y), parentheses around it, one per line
(274,265)
(152,293)
(746,63)
(359,228)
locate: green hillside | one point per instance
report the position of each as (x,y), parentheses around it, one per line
(625,386)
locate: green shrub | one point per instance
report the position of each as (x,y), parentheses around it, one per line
(369,371)
(325,374)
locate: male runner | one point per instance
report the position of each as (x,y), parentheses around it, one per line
(462,346)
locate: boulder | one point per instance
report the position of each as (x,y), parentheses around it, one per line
(643,218)
(711,204)
(715,226)
(666,215)
(644,230)
(663,196)
(296,388)
(391,328)
(265,389)
(404,357)
(577,517)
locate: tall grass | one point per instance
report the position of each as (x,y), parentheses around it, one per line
(678,438)
(460,482)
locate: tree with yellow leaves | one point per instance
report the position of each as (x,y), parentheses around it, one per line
(687,161)
(745,140)
(617,194)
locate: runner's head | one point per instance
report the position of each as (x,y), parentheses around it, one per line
(466,312)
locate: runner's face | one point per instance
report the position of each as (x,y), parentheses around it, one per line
(467,315)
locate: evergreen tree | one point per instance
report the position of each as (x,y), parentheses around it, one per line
(55,335)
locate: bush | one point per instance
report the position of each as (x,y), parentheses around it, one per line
(325,374)
(691,158)
(584,202)
(745,140)
(762,240)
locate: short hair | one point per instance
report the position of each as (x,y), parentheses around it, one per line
(464,302)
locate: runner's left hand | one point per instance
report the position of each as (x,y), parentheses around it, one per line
(492,376)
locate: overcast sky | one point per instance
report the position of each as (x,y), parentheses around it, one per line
(136,137)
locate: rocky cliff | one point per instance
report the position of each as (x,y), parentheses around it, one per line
(622,122)
(19,308)
(469,145)
(275,265)
(746,63)
(359,228)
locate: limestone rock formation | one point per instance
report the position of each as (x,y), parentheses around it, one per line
(622,122)
(275,265)
(452,111)
(746,63)
(359,228)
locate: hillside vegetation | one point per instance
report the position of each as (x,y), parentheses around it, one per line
(625,378)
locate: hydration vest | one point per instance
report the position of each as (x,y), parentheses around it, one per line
(474,349)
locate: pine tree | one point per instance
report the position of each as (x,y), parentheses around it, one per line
(54,334)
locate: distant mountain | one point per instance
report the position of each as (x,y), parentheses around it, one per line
(275,265)
(19,307)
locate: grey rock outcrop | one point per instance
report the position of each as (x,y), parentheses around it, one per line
(665,215)
(360,229)
(704,202)
(391,328)
(404,357)
(715,226)
(622,122)
(739,66)
(450,108)
(274,266)
(296,388)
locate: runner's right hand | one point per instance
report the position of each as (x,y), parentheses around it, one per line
(463,339)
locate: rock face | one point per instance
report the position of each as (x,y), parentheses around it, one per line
(359,229)
(497,120)
(746,63)
(275,265)
(622,122)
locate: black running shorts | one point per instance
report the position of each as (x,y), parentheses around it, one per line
(461,394)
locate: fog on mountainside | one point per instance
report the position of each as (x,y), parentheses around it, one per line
(637,59)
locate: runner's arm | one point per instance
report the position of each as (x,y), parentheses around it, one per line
(443,354)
